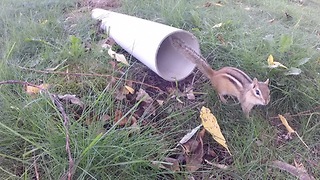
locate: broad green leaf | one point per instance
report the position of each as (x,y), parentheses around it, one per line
(293,71)
(303,61)
(285,43)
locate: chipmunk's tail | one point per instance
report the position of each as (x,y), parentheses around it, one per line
(193,56)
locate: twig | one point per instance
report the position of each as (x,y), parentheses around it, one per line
(59,106)
(87,74)
(19,82)
(303,113)
(36,169)
(299,172)
(55,100)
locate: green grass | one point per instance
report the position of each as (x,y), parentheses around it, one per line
(43,34)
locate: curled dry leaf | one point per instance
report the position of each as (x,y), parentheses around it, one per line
(274,64)
(72,98)
(286,124)
(129,89)
(31,90)
(290,130)
(119,57)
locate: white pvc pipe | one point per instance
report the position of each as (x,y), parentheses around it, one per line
(148,42)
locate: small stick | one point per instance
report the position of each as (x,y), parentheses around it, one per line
(87,74)
(59,106)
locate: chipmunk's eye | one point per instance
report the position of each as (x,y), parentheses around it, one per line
(257,92)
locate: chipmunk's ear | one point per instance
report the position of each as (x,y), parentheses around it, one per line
(267,81)
(255,82)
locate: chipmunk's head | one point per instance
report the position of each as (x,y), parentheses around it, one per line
(259,92)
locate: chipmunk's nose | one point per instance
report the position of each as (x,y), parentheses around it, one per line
(267,101)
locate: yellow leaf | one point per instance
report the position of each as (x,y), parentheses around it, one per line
(121,58)
(130,89)
(31,90)
(270,60)
(285,123)
(274,64)
(210,123)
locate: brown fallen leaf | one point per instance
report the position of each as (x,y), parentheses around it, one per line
(118,115)
(194,158)
(147,101)
(221,39)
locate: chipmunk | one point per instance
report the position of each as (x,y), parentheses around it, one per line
(228,80)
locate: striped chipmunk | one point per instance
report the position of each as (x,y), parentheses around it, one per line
(228,80)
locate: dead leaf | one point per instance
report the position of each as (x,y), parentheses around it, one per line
(274,64)
(129,89)
(298,171)
(118,115)
(160,102)
(189,92)
(221,39)
(217,25)
(147,101)
(118,57)
(290,130)
(210,123)
(194,159)
(286,124)
(72,98)
(31,90)
(190,146)
(144,96)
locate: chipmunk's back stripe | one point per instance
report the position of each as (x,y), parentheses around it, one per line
(234,80)
(243,77)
